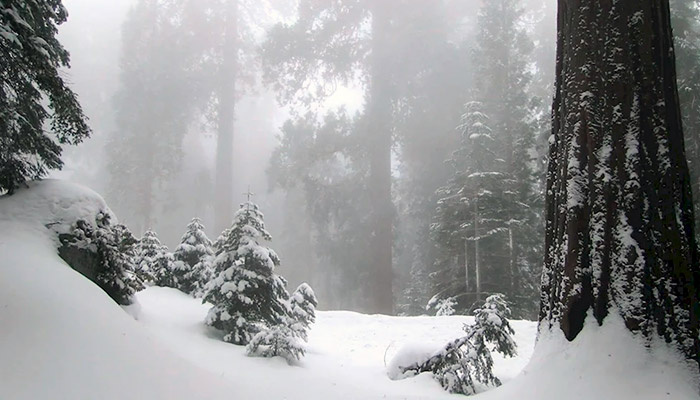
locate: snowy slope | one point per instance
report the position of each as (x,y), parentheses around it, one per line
(345,358)
(61,337)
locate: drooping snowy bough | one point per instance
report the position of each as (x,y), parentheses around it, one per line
(465,365)
(619,231)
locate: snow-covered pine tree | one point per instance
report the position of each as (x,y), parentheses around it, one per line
(278,340)
(486,218)
(163,268)
(112,247)
(620,227)
(154,262)
(302,310)
(192,257)
(32,91)
(115,246)
(476,208)
(466,361)
(247,296)
(146,251)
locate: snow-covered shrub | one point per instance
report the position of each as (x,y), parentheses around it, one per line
(107,254)
(192,256)
(302,310)
(465,362)
(154,263)
(442,306)
(146,251)
(278,340)
(246,294)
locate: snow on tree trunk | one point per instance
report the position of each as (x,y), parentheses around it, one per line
(619,231)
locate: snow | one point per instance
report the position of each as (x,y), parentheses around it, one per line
(64,338)
(346,353)
(53,203)
(604,362)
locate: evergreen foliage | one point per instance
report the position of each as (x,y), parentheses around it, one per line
(32,90)
(465,363)
(147,249)
(154,263)
(247,296)
(302,310)
(279,340)
(487,217)
(192,258)
(113,248)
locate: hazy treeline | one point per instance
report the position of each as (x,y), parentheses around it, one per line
(396,147)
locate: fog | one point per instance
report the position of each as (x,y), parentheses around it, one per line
(317,96)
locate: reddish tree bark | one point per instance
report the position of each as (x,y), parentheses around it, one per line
(619,234)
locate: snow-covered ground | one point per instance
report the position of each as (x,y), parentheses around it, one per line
(346,352)
(61,337)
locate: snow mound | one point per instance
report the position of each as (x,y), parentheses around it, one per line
(53,204)
(603,362)
(409,354)
(61,336)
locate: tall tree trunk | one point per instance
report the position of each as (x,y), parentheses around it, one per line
(379,110)
(223,192)
(619,234)
(466,266)
(477,264)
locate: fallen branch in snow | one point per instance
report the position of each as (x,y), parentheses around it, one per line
(466,360)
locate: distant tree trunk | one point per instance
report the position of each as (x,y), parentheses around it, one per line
(223,194)
(619,231)
(379,110)
(477,264)
(466,265)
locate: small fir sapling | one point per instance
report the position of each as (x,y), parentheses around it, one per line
(285,339)
(147,250)
(443,307)
(302,310)
(278,340)
(192,256)
(163,268)
(113,246)
(246,294)
(466,363)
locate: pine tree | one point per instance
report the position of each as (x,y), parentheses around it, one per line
(487,215)
(163,268)
(115,245)
(33,90)
(192,257)
(247,296)
(302,310)
(466,361)
(279,340)
(620,226)
(154,262)
(112,249)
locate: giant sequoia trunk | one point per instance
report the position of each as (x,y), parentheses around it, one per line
(379,109)
(223,202)
(619,234)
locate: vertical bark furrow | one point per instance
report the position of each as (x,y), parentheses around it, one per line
(619,232)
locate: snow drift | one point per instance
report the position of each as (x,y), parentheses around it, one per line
(62,337)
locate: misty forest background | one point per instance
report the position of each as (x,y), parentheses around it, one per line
(397,148)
